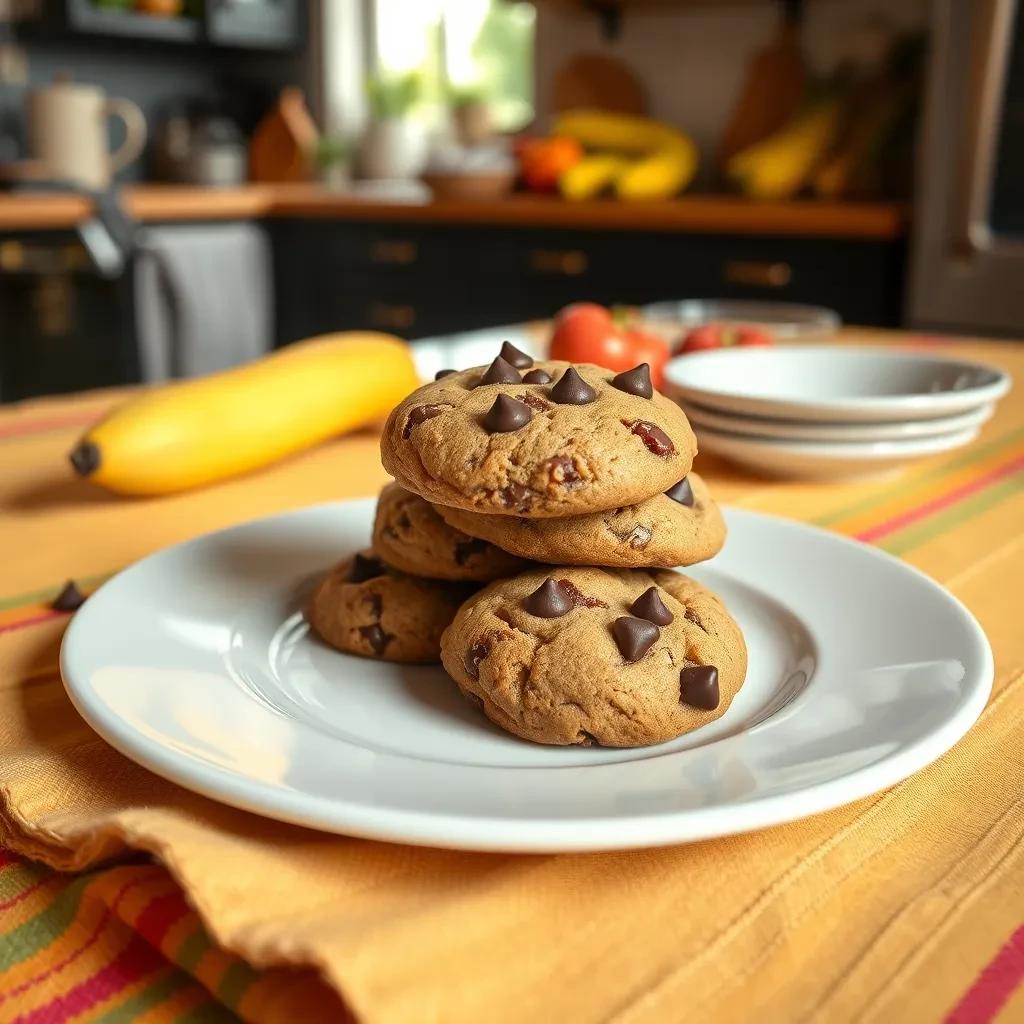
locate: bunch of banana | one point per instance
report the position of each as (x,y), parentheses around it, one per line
(779,166)
(635,157)
(196,432)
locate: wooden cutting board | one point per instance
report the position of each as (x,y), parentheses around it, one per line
(281,148)
(593,81)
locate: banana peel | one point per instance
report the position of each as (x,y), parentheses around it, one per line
(635,157)
(196,432)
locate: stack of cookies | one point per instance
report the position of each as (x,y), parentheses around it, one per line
(567,490)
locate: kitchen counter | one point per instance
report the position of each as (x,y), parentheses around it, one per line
(696,213)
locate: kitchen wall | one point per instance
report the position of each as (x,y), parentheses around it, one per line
(157,76)
(693,59)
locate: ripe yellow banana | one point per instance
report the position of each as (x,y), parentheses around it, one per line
(196,432)
(779,166)
(591,176)
(661,160)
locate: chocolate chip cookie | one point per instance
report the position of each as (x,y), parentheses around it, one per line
(363,607)
(554,439)
(680,527)
(409,535)
(616,657)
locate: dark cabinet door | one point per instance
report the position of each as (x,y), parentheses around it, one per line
(417,280)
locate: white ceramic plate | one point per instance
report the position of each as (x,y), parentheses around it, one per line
(832,382)
(196,662)
(804,430)
(826,460)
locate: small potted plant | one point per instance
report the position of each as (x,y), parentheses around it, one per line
(471,112)
(395,143)
(333,159)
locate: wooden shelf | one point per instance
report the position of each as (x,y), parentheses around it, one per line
(694,214)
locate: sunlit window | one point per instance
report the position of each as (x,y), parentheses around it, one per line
(482,48)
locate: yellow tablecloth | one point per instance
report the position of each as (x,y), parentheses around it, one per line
(906,906)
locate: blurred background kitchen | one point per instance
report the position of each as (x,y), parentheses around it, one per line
(188,183)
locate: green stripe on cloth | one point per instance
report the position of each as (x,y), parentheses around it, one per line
(50,592)
(920,533)
(208,1013)
(191,950)
(970,457)
(17,878)
(236,981)
(165,985)
(32,935)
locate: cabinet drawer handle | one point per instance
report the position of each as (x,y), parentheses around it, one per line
(565,262)
(395,318)
(393,252)
(761,275)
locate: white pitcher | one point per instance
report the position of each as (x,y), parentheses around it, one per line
(67,129)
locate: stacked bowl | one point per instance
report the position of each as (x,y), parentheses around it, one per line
(831,411)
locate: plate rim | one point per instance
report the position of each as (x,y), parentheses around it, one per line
(490,834)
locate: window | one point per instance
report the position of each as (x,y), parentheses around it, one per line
(460,47)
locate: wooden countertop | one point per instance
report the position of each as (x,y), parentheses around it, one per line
(696,213)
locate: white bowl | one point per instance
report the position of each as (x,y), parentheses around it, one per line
(833,383)
(805,430)
(826,460)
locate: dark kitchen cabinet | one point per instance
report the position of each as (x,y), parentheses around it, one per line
(64,328)
(424,280)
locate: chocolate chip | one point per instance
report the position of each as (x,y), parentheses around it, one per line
(537,376)
(512,356)
(698,687)
(404,522)
(635,382)
(580,599)
(585,739)
(363,569)
(376,637)
(85,458)
(634,636)
(466,549)
(650,606)
(443,373)
(572,389)
(549,601)
(474,656)
(420,414)
(500,372)
(681,492)
(655,438)
(516,496)
(507,414)
(70,599)
(562,470)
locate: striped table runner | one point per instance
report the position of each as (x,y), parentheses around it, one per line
(122,943)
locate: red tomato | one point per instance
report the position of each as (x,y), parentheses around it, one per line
(585,333)
(748,335)
(697,339)
(645,347)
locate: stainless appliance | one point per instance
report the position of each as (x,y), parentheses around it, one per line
(967,259)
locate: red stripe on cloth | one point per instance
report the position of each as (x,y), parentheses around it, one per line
(32,620)
(994,986)
(21,429)
(158,918)
(6,858)
(942,501)
(135,961)
(93,938)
